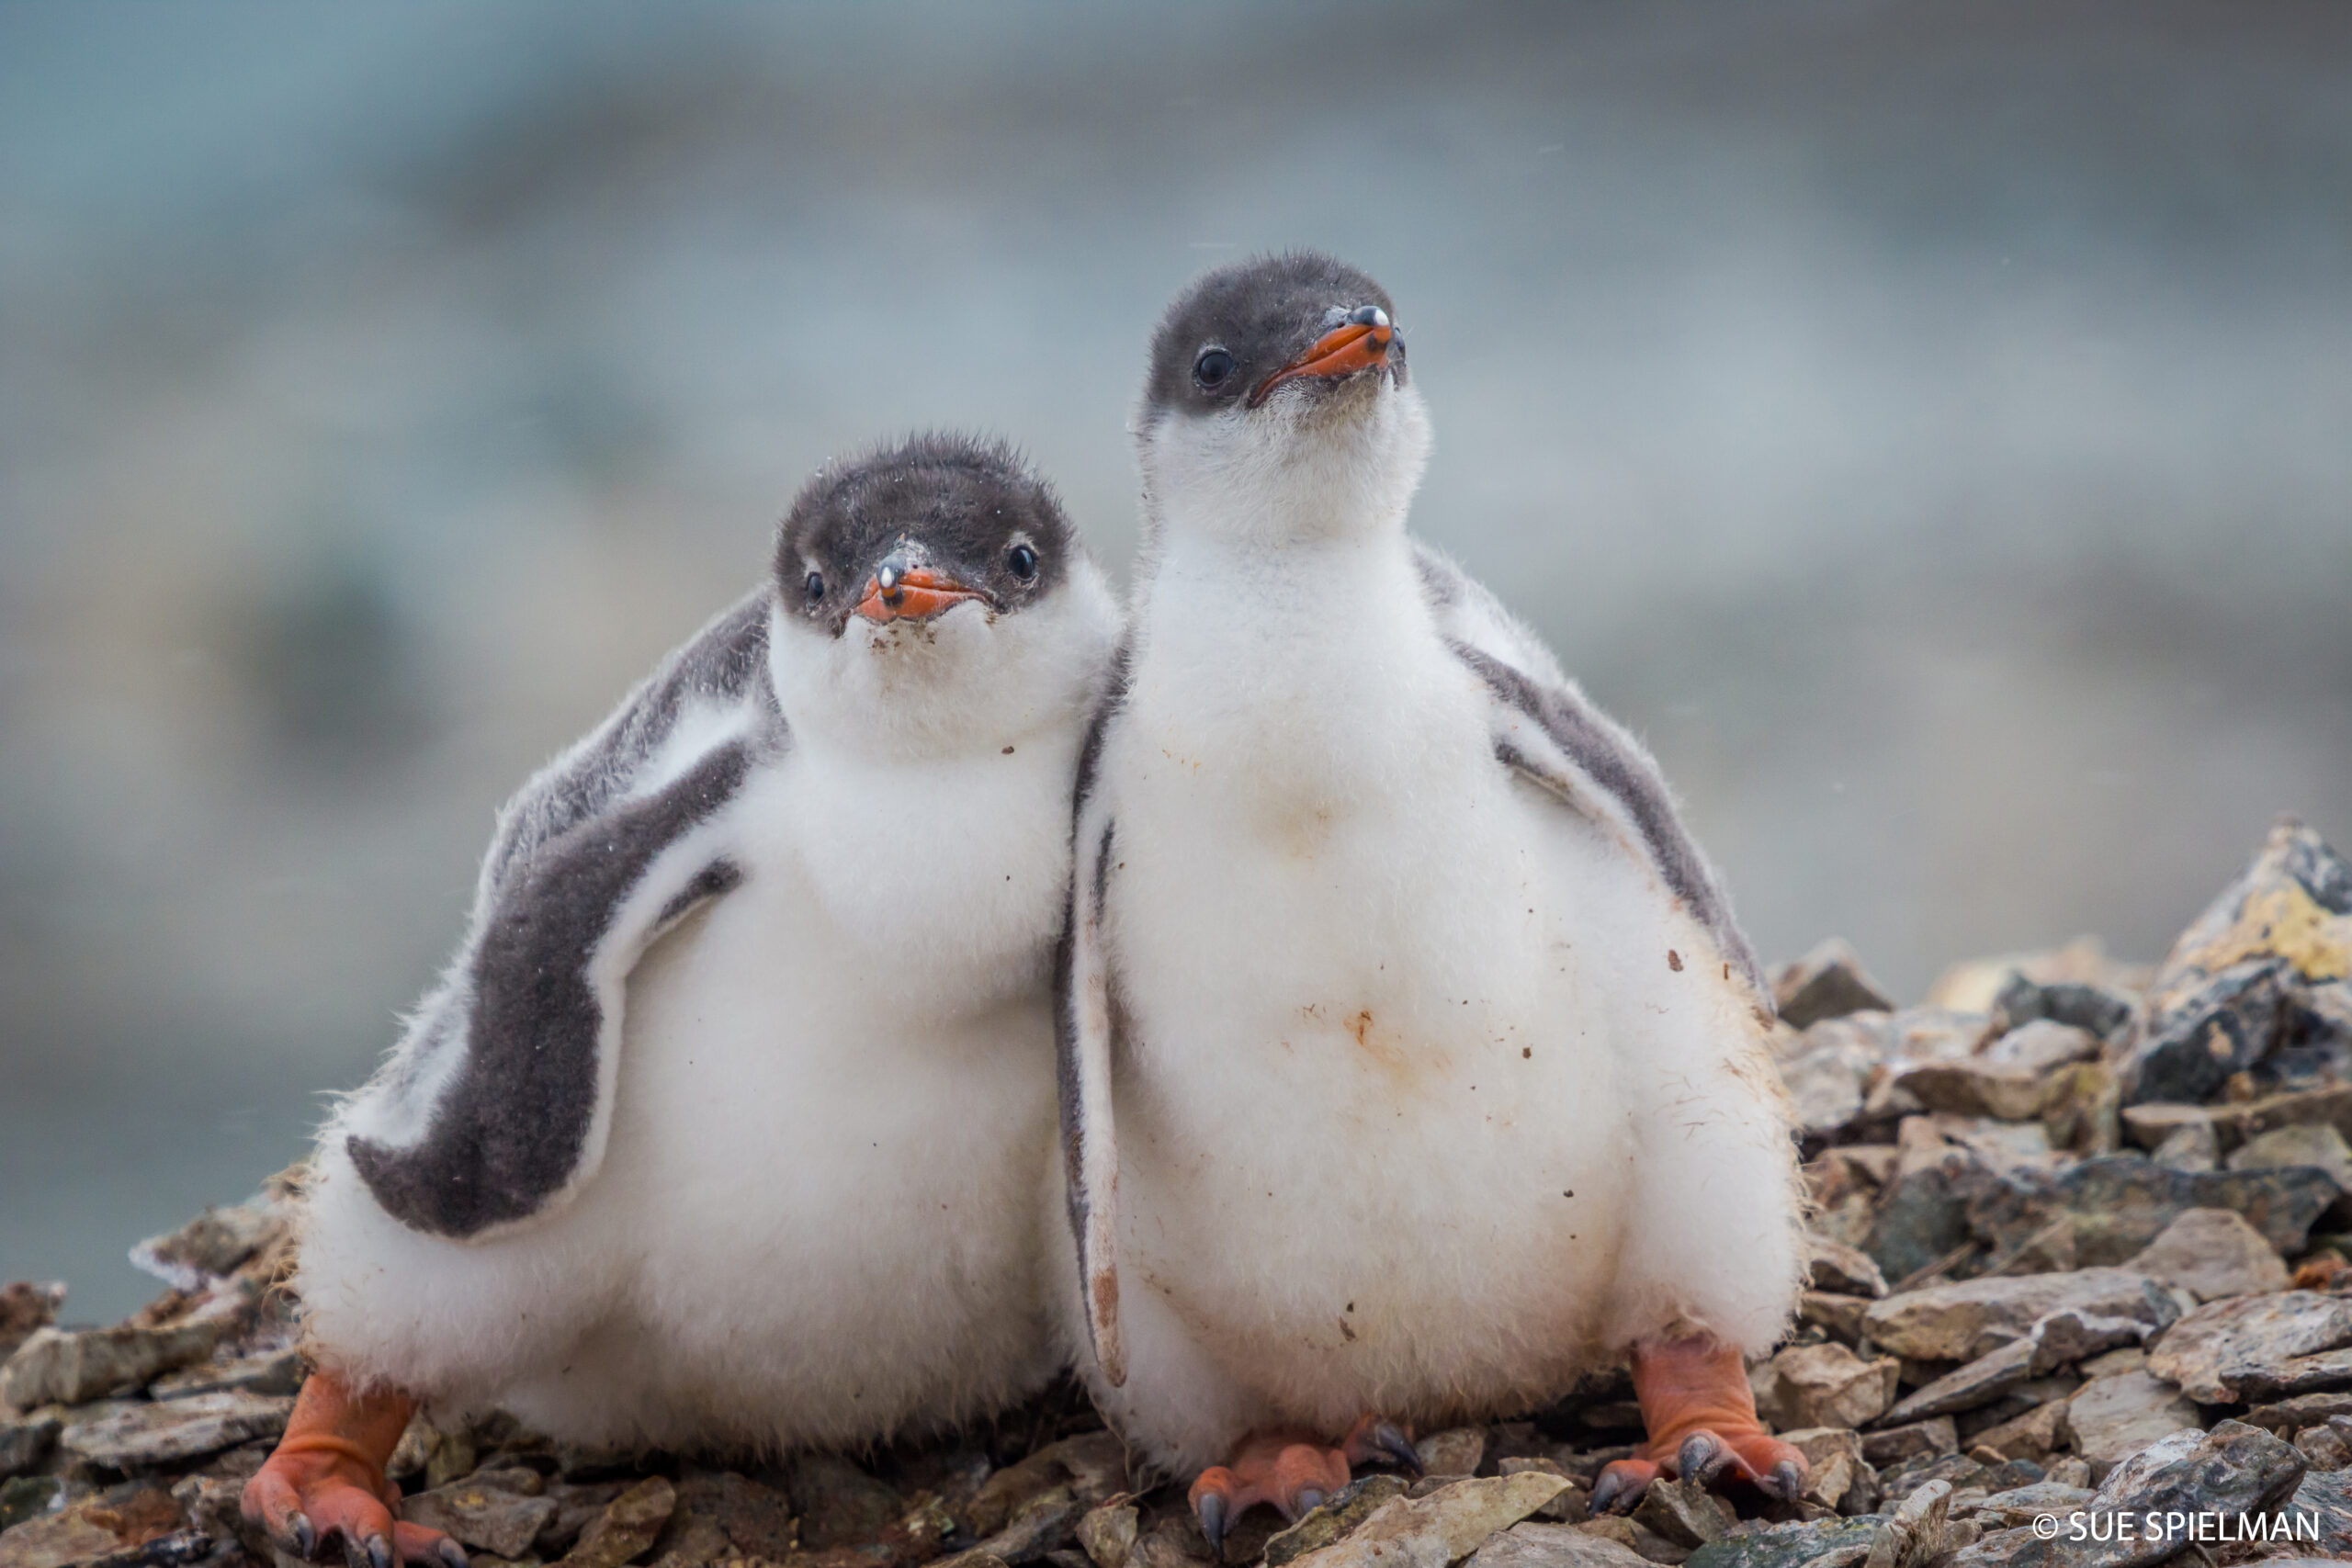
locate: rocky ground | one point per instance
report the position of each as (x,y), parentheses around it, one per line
(2079,1251)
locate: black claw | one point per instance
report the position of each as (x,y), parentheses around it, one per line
(1309,1499)
(1786,1482)
(1210,1508)
(379,1553)
(306,1538)
(354,1554)
(1703,1458)
(1390,1439)
(450,1552)
(1615,1494)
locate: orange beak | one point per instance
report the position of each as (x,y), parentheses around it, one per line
(1342,351)
(916,595)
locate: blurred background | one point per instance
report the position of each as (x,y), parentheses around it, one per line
(1931,427)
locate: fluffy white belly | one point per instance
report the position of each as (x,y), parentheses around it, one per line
(1371,1032)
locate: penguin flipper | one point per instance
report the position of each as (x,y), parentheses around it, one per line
(1083,1030)
(1546,727)
(494,1108)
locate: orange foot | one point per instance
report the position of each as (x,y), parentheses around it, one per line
(1701,1419)
(1291,1472)
(327,1480)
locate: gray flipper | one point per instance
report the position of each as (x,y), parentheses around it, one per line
(494,1107)
(1084,1028)
(1549,730)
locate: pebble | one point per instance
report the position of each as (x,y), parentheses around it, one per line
(1534,1545)
(1965,1320)
(1442,1528)
(135,1434)
(74,1366)
(1830,982)
(630,1525)
(2208,1351)
(2212,1254)
(500,1511)
(1823,1385)
(2112,1418)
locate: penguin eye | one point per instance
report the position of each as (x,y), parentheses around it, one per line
(816,587)
(1211,369)
(1023,561)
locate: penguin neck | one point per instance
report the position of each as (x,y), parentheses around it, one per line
(1272,484)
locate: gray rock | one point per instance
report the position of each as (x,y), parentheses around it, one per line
(2224,996)
(1838,1316)
(2325,1499)
(2317,1144)
(2325,1448)
(26,1441)
(1977,1383)
(213,1245)
(1920,1440)
(2212,1254)
(1458,1451)
(2112,1418)
(266,1371)
(1836,1476)
(1107,1534)
(1924,1215)
(74,1368)
(1822,1543)
(1534,1545)
(2210,1349)
(628,1525)
(2020,1506)
(1334,1517)
(2120,1203)
(109,1527)
(2192,1148)
(500,1511)
(1960,1321)
(2008,1079)
(1441,1529)
(1847,1271)
(756,1519)
(1683,1511)
(2288,1417)
(2101,1010)
(28,1497)
(1826,1069)
(1823,1385)
(2325,1373)
(2234,1468)
(1827,983)
(840,1504)
(2035,1435)
(137,1435)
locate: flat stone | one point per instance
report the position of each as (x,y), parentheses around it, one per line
(1978,1383)
(1924,1215)
(1823,1385)
(1838,1316)
(1336,1516)
(212,1246)
(628,1525)
(118,1520)
(28,1497)
(1570,1507)
(2080,1109)
(2210,1348)
(2100,1011)
(267,1371)
(1683,1511)
(2324,1373)
(1534,1545)
(1175,1542)
(2194,1148)
(2020,1506)
(1041,1524)
(2036,1435)
(1963,1321)
(1458,1451)
(2115,1417)
(1921,1439)
(57,1366)
(500,1511)
(2288,1417)
(1826,1069)
(1092,1465)
(1828,982)
(138,1435)
(1107,1534)
(1441,1529)
(2315,1145)
(1847,1271)
(2212,1254)
(2120,1203)
(1835,1469)
(1822,1543)
(1643,1542)
(2234,1468)
(2006,1079)
(2325,1447)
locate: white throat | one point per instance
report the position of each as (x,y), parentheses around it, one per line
(1296,472)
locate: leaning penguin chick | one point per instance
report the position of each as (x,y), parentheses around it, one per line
(721,1130)
(1412,1061)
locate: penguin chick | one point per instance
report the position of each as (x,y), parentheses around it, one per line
(1412,1062)
(722,1128)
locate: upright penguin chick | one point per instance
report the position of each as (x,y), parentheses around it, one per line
(722,1129)
(1411,1060)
